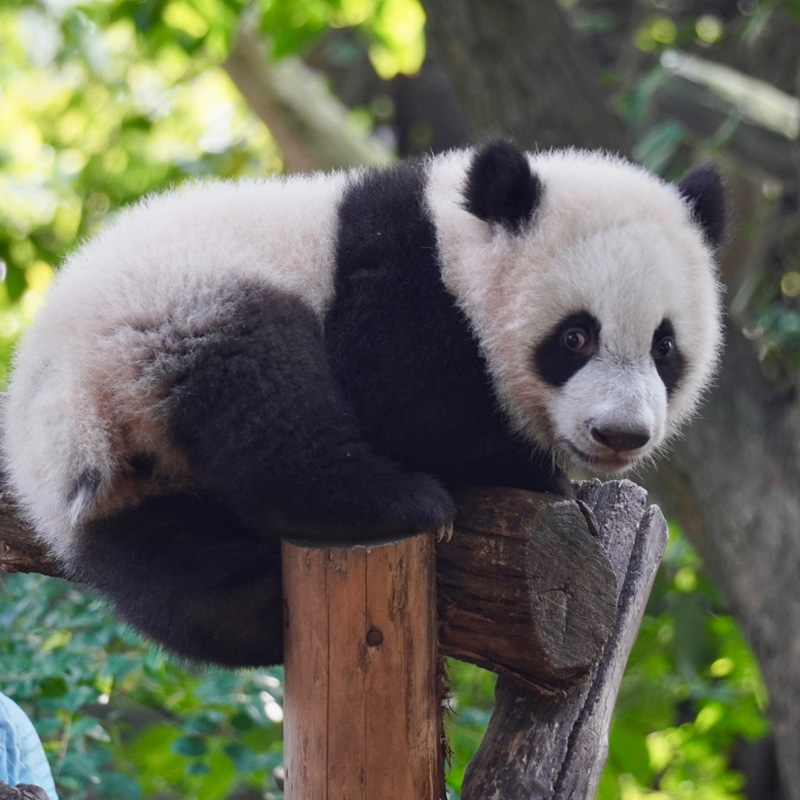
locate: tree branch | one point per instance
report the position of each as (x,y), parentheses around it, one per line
(537,748)
(308,123)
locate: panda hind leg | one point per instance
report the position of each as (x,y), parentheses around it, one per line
(183,570)
(265,423)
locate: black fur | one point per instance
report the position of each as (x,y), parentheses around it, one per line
(501,187)
(705,191)
(553,361)
(671,367)
(263,420)
(185,571)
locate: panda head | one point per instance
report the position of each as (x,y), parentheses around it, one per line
(591,285)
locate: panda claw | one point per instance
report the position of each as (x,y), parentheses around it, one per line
(444,533)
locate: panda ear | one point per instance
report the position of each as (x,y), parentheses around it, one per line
(501,186)
(704,190)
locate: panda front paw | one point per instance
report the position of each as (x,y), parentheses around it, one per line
(385,508)
(423,505)
(444,533)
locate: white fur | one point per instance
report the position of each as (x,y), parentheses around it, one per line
(76,399)
(611,239)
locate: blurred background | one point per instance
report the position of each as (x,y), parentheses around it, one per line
(104,100)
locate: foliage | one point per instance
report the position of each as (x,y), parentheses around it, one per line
(692,692)
(93,114)
(118,718)
(392,28)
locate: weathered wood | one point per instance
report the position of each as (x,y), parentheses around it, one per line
(525,588)
(362,707)
(22,791)
(555,566)
(19,550)
(539,747)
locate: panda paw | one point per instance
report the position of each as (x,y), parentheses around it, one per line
(387,507)
(424,505)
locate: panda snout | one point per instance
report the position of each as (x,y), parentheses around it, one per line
(620,440)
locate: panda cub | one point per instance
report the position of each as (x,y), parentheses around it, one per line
(326,357)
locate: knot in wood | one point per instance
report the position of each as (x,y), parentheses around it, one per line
(374,637)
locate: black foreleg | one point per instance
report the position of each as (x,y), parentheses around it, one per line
(261,416)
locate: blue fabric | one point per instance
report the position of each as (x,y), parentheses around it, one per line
(22,758)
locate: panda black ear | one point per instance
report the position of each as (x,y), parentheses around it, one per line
(501,186)
(705,192)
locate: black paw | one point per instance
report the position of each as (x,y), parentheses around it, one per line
(422,505)
(383,510)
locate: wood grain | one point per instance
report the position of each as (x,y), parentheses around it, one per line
(361,704)
(525,588)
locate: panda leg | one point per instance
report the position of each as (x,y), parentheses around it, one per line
(184,570)
(261,416)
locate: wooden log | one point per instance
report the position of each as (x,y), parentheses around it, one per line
(544,738)
(19,550)
(362,709)
(525,588)
(539,747)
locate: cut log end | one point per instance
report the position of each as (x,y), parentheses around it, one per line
(525,588)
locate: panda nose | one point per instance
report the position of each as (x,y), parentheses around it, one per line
(620,439)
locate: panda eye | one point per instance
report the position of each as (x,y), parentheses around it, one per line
(577,340)
(664,348)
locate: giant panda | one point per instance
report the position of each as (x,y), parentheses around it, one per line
(327,357)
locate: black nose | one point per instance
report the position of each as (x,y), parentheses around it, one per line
(620,439)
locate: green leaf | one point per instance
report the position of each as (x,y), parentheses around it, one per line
(190,746)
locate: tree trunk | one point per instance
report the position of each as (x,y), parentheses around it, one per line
(734,483)
(308,123)
(518,70)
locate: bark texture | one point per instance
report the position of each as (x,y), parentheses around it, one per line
(539,747)
(525,588)
(510,62)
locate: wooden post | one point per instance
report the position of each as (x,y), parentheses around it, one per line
(362,709)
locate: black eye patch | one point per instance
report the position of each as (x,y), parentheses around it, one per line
(669,361)
(567,348)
